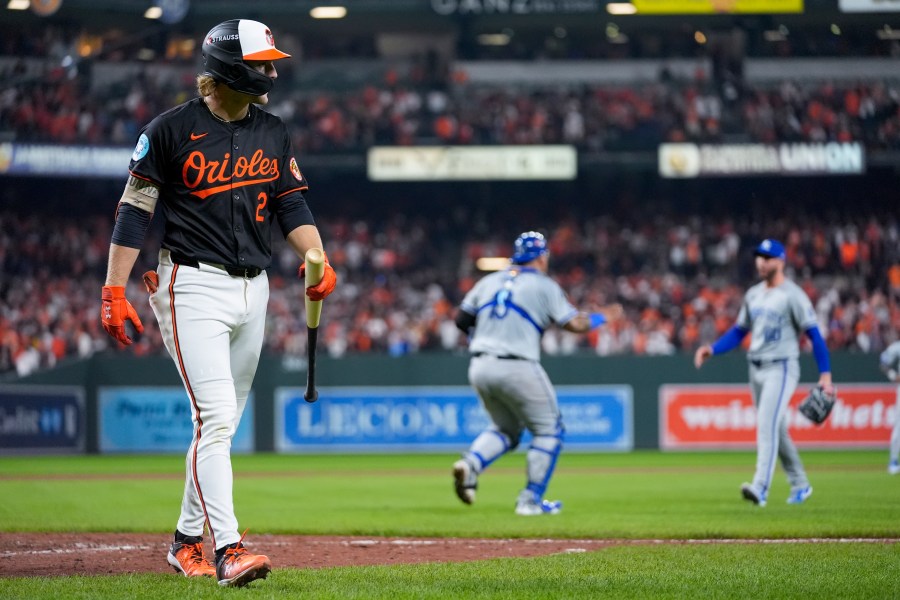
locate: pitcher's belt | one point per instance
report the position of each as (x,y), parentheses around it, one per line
(759,362)
(501,356)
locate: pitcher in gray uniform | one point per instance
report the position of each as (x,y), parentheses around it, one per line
(890,365)
(506,313)
(776,311)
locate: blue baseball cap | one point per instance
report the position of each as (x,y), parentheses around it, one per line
(770,249)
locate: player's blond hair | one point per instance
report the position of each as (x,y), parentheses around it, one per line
(206,85)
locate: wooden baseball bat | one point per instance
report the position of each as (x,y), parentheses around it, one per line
(315,267)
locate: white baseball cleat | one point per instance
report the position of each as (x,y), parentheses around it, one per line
(799,495)
(893,467)
(528,505)
(465,480)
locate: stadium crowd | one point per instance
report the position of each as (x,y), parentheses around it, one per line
(680,277)
(423,100)
(397,111)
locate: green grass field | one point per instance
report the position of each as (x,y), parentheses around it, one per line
(639,495)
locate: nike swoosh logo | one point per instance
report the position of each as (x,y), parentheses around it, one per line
(195,137)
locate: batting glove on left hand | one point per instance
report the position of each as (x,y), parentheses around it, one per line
(325,286)
(115,310)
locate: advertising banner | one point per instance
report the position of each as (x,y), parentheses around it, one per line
(724,160)
(869,6)
(156,419)
(515,7)
(435,418)
(712,7)
(74,161)
(723,416)
(468,163)
(41,419)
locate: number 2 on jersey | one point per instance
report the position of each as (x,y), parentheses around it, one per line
(263,200)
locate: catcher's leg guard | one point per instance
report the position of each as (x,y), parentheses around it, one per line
(490,445)
(542,457)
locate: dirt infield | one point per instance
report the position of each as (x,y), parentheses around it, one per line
(53,554)
(56,554)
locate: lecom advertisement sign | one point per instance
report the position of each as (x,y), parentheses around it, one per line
(723,416)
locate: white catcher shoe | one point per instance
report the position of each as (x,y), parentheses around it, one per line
(465,480)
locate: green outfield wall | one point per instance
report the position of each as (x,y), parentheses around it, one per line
(645,375)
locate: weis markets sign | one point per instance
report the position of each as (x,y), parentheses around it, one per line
(716,160)
(723,416)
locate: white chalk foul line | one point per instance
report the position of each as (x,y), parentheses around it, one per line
(574,545)
(79,548)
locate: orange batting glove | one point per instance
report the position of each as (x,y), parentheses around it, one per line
(115,310)
(151,281)
(324,287)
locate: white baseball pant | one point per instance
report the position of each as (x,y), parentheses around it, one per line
(212,324)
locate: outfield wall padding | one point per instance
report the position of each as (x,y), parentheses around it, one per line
(644,374)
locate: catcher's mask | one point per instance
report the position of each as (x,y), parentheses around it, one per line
(528,247)
(229,44)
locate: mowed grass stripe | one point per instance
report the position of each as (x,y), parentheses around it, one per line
(415,473)
(822,571)
(646,496)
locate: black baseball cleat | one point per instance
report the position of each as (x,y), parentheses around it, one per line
(753,495)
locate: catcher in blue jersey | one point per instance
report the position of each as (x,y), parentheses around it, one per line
(775,312)
(506,313)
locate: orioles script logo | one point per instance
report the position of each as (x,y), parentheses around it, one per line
(214,176)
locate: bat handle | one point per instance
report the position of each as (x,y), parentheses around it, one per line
(311,395)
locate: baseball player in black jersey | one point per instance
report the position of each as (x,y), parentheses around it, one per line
(222,170)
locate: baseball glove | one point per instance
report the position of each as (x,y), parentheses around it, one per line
(818,404)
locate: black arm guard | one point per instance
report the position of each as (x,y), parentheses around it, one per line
(464,321)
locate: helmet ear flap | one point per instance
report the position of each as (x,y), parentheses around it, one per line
(238,76)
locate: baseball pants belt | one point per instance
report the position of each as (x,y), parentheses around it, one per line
(503,356)
(761,362)
(246,272)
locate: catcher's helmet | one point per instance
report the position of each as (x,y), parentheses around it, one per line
(528,247)
(229,44)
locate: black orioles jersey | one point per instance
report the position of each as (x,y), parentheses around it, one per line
(221,183)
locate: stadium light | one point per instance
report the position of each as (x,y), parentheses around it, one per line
(493,39)
(154,12)
(776,35)
(621,8)
(18,4)
(886,33)
(491,263)
(328,12)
